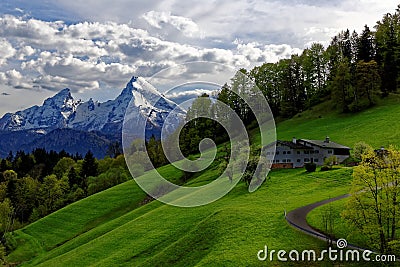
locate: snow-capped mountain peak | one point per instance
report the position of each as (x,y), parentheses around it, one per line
(53,114)
(63,111)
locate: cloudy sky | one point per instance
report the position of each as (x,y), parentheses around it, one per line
(93,47)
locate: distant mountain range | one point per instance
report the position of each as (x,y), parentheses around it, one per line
(63,123)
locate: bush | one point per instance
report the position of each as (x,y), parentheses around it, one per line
(329,162)
(325,168)
(310,167)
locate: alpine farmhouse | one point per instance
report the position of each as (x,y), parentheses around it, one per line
(296,153)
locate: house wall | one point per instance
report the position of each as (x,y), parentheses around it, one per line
(283,154)
(304,156)
(326,153)
(298,157)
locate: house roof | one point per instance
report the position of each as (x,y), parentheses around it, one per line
(325,144)
(293,145)
(299,145)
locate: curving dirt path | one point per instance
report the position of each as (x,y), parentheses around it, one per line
(298,219)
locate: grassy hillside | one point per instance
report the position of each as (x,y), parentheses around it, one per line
(114,228)
(341,228)
(378,126)
(230,230)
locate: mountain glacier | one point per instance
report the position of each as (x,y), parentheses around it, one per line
(106,119)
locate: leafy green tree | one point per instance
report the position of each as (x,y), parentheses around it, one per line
(367,85)
(77,194)
(198,127)
(73,178)
(330,161)
(267,79)
(360,149)
(373,206)
(63,166)
(3,191)
(51,194)
(23,163)
(105,164)
(341,86)
(24,198)
(387,39)
(106,180)
(294,94)
(119,162)
(155,152)
(6,216)
(10,175)
(11,179)
(315,68)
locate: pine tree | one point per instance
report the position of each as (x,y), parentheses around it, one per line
(366,48)
(341,86)
(73,178)
(89,168)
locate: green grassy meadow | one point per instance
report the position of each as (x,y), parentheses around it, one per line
(117,228)
(341,228)
(377,126)
(229,231)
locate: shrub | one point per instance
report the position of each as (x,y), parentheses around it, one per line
(310,167)
(325,168)
(329,162)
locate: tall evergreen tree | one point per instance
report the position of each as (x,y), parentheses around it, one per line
(342,86)
(366,45)
(387,39)
(89,168)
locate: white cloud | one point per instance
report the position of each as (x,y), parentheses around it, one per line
(6,51)
(148,36)
(256,52)
(185,25)
(191,93)
(82,56)
(15,79)
(25,52)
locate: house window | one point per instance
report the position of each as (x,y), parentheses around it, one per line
(315,160)
(288,160)
(284,161)
(277,152)
(306,152)
(316,151)
(288,152)
(306,160)
(298,160)
(284,152)
(298,152)
(277,161)
(329,151)
(312,152)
